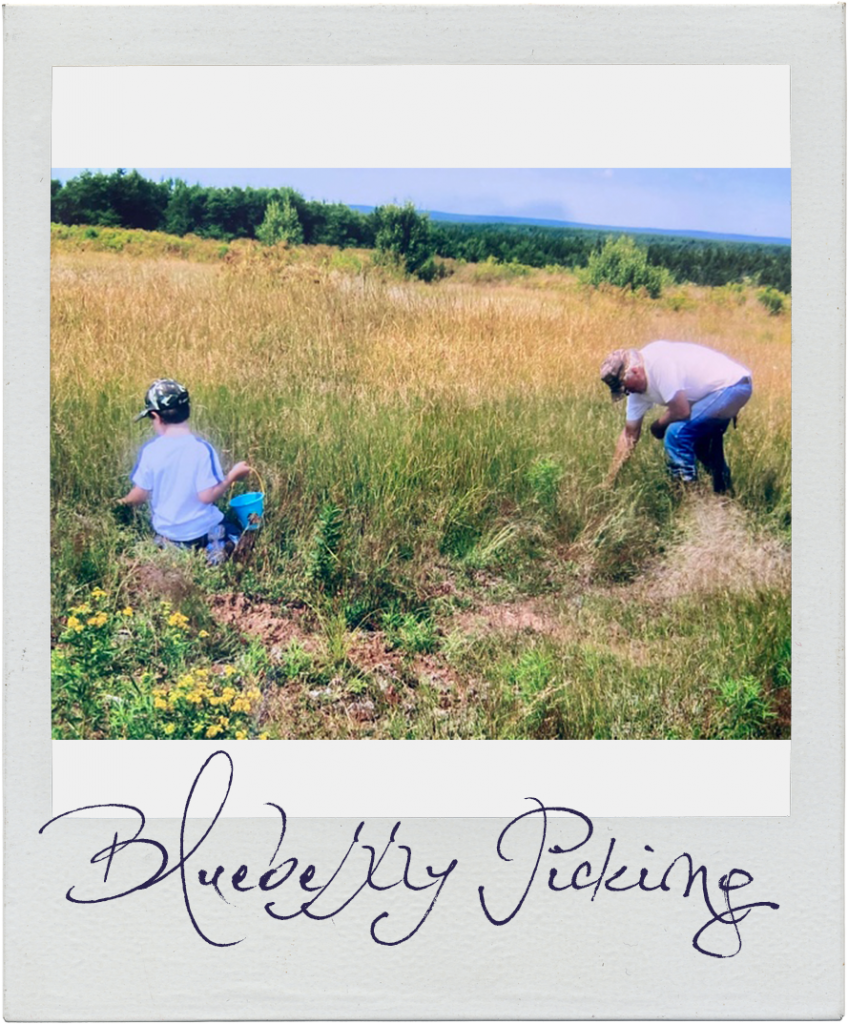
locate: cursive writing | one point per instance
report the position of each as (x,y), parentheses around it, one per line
(380,872)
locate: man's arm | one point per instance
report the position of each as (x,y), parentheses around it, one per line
(624,446)
(136,496)
(677,409)
(212,494)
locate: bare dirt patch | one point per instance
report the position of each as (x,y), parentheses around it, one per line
(275,626)
(369,653)
(372,655)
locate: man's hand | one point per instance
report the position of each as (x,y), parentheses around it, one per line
(658,429)
(627,441)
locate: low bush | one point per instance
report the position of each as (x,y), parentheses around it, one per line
(624,264)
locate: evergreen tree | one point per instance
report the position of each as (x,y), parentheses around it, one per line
(281,224)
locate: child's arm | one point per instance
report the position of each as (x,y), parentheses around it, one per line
(212,494)
(136,496)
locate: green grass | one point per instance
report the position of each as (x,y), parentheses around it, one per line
(426,451)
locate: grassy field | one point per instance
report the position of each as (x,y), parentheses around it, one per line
(440,557)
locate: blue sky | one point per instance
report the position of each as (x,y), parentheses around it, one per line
(726,200)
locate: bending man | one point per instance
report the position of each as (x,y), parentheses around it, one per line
(702,391)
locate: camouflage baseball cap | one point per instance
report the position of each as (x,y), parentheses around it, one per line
(613,369)
(163,394)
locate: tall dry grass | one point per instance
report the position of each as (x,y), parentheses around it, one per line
(461,423)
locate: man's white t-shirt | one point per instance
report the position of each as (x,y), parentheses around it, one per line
(673,366)
(174,469)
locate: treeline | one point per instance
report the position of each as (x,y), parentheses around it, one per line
(696,260)
(129,200)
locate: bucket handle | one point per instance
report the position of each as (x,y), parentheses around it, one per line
(259,478)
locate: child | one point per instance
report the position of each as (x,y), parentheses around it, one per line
(181,476)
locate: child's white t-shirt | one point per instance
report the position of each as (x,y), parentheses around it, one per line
(173,470)
(673,366)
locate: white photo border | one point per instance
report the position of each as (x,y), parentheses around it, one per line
(588,962)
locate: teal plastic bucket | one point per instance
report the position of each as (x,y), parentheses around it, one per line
(249,508)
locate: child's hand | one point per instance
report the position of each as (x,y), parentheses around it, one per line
(123,512)
(239,471)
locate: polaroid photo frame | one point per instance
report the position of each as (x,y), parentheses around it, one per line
(463,932)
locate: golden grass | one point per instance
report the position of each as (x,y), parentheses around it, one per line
(126,320)
(463,433)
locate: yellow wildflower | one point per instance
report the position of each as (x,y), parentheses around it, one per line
(214,701)
(169,728)
(186,682)
(75,624)
(254,694)
(203,634)
(227,694)
(229,671)
(179,620)
(241,705)
(212,732)
(127,612)
(203,672)
(241,735)
(263,736)
(81,609)
(173,697)
(100,619)
(97,593)
(194,697)
(161,705)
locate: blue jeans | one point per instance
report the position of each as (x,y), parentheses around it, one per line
(700,437)
(217,544)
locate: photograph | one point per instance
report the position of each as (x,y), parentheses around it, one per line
(460,453)
(426,374)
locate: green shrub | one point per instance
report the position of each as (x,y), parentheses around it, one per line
(324,566)
(744,710)
(773,300)
(732,293)
(410,634)
(296,660)
(431,270)
(404,236)
(625,265)
(680,302)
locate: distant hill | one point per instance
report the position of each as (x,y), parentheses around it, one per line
(465,218)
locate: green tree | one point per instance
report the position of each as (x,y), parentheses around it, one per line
(624,264)
(404,236)
(281,224)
